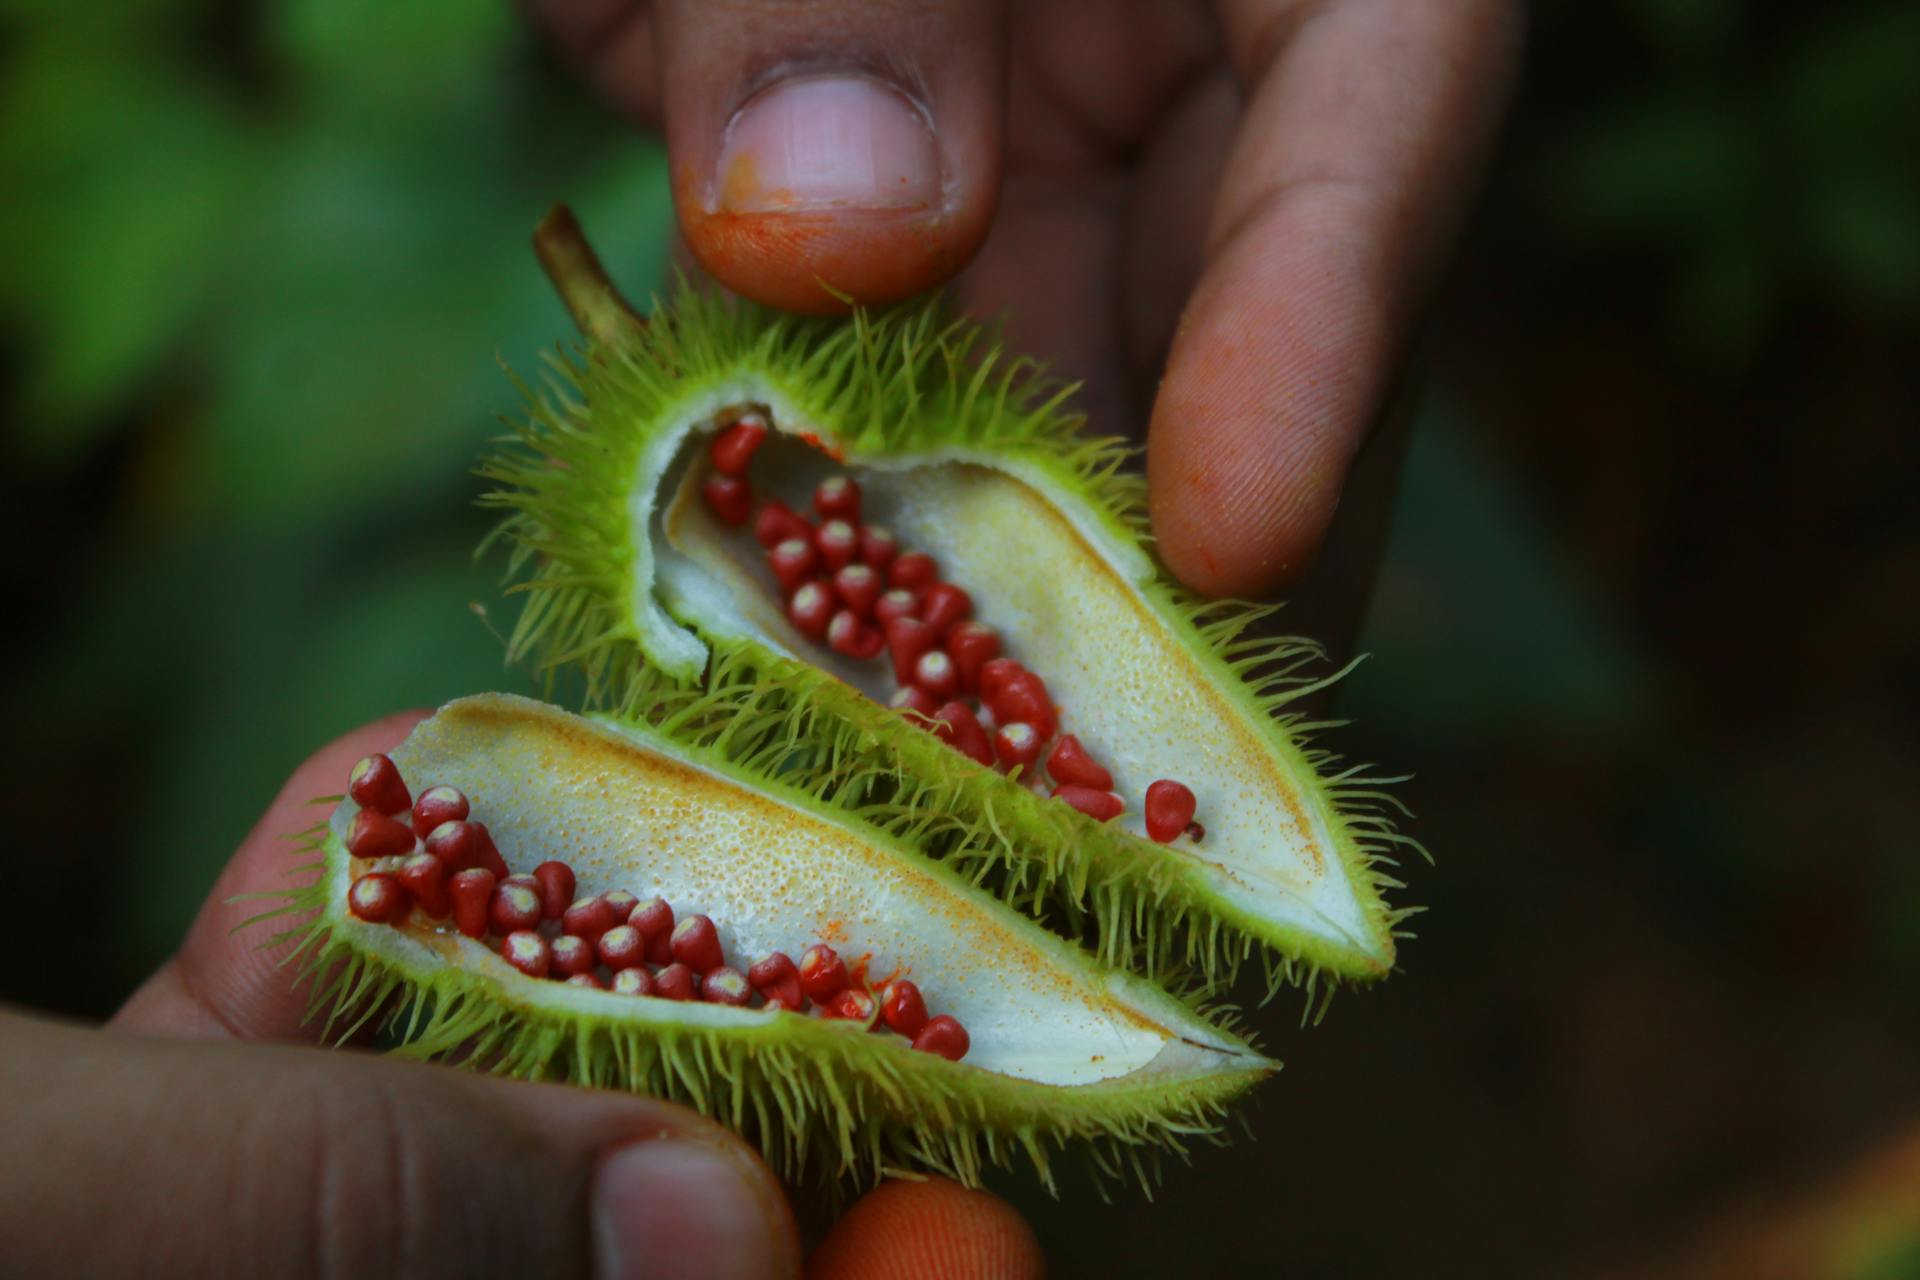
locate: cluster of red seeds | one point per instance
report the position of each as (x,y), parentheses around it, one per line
(429,854)
(851,586)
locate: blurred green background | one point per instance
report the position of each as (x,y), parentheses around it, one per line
(1646,630)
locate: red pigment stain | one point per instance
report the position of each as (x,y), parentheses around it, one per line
(825,446)
(833,931)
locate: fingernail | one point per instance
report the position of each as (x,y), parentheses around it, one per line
(678,1207)
(828,142)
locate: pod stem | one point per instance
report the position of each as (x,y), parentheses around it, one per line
(583,284)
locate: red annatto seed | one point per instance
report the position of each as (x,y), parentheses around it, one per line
(972,645)
(588,918)
(811,609)
(960,729)
(486,853)
(775,968)
(572,954)
(913,570)
(994,674)
(1102,806)
(858,587)
(1017,746)
(823,974)
(621,903)
(848,635)
(587,980)
(878,546)
(1196,832)
(696,944)
(375,784)
(527,881)
(907,639)
(435,806)
(944,605)
(728,497)
(733,448)
(915,699)
(786,995)
(556,888)
(1071,765)
(838,497)
(778,522)
(514,907)
(653,918)
(852,1005)
(621,947)
(935,672)
(896,603)
(375,835)
(379,898)
(425,879)
(467,844)
(1168,809)
(793,562)
(1024,697)
(633,982)
(945,1036)
(528,952)
(725,986)
(660,948)
(675,982)
(837,544)
(472,894)
(902,1008)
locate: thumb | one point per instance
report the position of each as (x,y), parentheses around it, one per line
(190,1158)
(850,144)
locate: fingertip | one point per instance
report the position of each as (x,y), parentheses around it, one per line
(909,1230)
(1269,390)
(829,188)
(826,153)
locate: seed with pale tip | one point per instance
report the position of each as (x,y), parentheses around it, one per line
(435,806)
(528,952)
(375,783)
(838,497)
(378,898)
(733,448)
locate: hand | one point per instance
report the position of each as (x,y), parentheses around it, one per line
(166,1146)
(1281,175)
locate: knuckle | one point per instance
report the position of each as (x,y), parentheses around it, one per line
(367,1201)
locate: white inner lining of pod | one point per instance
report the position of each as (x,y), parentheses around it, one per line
(626,813)
(1066,602)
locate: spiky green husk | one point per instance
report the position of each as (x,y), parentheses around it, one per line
(895,385)
(826,1101)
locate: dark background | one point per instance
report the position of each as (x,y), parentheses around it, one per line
(1646,629)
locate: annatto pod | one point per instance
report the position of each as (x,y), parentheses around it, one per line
(1045,670)
(1055,1049)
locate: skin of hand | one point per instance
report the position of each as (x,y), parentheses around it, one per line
(200,1134)
(1228,212)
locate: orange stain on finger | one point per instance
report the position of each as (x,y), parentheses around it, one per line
(921,1230)
(798,259)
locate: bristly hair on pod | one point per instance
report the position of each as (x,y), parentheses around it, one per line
(911,382)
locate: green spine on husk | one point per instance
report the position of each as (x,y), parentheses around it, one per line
(828,1105)
(892,385)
